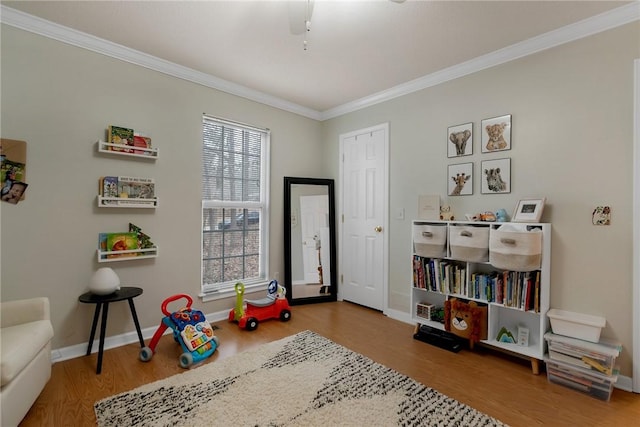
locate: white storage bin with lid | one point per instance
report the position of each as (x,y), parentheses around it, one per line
(576,325)
(469,243)
(515,247)
(430,240)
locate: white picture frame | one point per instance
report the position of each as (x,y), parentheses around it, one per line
(529,210)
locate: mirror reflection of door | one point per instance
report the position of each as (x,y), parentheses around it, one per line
(314,216)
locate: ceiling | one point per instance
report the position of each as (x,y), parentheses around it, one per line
(356,49)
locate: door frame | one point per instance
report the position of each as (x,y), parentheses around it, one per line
(636,230)
(385,210)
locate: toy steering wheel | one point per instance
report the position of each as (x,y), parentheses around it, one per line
(175,298)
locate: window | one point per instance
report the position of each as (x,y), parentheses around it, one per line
(234,205)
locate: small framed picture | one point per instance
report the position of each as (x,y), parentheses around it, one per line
(496,176)
(529,210)
(460,140)
(460,179)
(496,134)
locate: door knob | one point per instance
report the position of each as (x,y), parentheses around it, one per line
(378,229)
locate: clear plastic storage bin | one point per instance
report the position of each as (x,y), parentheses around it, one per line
(592,383)
(597,357)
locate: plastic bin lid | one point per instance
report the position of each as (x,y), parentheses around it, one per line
(569,316)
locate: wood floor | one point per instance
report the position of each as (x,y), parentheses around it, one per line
(491,382)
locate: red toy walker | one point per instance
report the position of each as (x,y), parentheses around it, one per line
(190,329)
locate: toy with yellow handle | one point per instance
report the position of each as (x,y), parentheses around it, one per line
(239,310)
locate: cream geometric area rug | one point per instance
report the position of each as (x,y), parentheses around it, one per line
(301,380)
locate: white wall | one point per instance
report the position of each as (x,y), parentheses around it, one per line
(60,99)
(572,141)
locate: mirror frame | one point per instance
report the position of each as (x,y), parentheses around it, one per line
(332,295)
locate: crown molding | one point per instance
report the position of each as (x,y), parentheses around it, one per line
(83,40)
(605,21)
(596,24)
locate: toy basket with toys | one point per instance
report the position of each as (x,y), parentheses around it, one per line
(190,329)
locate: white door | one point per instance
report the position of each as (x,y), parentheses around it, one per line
(364,199)
(314,216)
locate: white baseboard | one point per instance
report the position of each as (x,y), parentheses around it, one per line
(398,315)
(79,350)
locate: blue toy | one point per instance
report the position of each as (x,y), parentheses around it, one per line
(190,329)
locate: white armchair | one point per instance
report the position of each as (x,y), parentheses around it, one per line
(25,355)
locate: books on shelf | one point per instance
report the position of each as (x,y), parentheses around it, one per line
(127,141)
(136,188)
(514,289)
(126,190)
(118,242)
(120,136)
(126,244)
(143,142)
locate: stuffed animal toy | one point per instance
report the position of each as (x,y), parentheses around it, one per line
(466,319)
(446,214)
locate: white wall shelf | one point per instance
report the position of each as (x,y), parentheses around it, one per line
(127,151)
(124,202)
(129,255)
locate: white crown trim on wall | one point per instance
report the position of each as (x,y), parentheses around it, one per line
(605,21)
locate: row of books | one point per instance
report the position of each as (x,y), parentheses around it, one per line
(510,288)
(132,240)
(127,187)
(439,275)
(131,141)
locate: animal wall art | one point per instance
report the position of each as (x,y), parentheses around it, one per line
(496,176)
(460,140)
(460,179)
(496,134)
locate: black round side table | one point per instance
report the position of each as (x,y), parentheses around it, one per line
(102,301)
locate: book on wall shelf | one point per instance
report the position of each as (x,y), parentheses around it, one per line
(120,138)
(127,191)
(127,142)
(125,245)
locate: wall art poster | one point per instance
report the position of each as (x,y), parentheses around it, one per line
(460,140)
(496,134)
(460,179)
(496,176)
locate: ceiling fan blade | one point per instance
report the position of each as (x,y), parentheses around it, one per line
(298,15)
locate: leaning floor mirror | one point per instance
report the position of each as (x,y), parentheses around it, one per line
(309,240)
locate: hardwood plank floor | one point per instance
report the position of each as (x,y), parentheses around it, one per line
(492,382)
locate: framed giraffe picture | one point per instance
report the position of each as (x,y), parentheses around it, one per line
(460,179)
(496,176)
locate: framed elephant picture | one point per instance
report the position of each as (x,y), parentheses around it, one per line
(460,140)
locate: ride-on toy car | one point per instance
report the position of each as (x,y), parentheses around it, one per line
(274,306)
(190,329)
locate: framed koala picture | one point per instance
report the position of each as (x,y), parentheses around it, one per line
(496,134)
(496,176)
(460,140)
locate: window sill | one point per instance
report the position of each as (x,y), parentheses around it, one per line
(231,292)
